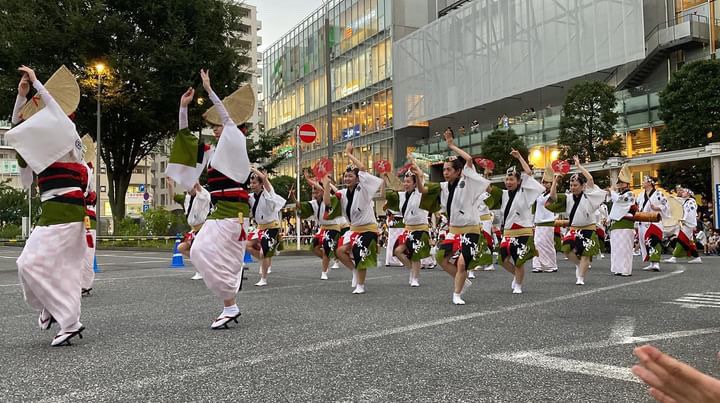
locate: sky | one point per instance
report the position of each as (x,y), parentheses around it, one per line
(279,16)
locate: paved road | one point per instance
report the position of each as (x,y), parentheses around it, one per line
(303,339)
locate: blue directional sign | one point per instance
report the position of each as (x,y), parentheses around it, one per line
(141,188)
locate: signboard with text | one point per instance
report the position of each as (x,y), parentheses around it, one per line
(351,132)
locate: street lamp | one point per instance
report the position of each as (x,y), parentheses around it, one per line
(99,69)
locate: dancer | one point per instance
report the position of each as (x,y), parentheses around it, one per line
(581,242)
(486,222)
(515,202)
(218,249)
(622,227)
(358,247)
(650,234)
(684,242)
(463,247)
(325,241)
(50,266)
(546,261)
(601,219)
(88,277)
(414,204)
(196,207)
(265,205)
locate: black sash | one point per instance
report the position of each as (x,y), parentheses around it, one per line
(511,198)
(576,200)
(255,206)
(647,199)
(350,197)
(451,194)
(320,204)
(405,204)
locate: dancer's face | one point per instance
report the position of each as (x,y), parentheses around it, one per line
(217,131)
(317,193)
(511,182)
(576,187)
(409,183)
(450,173)
(255,185)
(350,179)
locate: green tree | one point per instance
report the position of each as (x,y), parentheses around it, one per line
(261,148)
(282,185)
(692,174)
(690,106)
(157,221)
(14,205)
(587,124)
(153,51)
(497,147)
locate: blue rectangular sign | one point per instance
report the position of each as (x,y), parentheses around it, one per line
(351,132)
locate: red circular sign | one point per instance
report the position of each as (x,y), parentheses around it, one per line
(308,133)
(485,163)
(323,167)
(560,167)
(382,166)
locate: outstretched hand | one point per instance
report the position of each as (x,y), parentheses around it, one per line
(24,86)
(205,76)
(673,381)
(349,148)
(187,97)
(515,154)
(449,138)
(258,174)
(30,73)
(576,159)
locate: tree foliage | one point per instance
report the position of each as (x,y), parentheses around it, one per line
(283,184)
(153,51)
(691,174)
(14,205)
(261,148)
(690,106)
(497,147)
(587,124)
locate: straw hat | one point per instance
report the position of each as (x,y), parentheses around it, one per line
(625,175)
(548,176)
(240,105)
(89,154)
(64,89)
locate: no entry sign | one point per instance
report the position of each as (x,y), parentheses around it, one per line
(308,133)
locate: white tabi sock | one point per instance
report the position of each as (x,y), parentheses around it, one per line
(230,310)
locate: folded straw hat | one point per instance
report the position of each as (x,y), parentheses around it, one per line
(63,87)
(240,106)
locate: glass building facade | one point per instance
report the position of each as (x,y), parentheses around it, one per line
(360,41)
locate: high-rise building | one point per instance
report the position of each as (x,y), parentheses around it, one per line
(359,39)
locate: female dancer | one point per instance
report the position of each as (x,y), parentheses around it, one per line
(325,241)
(51,277)
(414,204)
(358,247)
(464,242)
(217,251)
(515,203)
(265,205)
(581,242)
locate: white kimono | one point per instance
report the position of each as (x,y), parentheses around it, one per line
(622,240)
(544,236)
(645,204)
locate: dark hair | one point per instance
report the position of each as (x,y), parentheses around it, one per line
(581,179)
(414,178)
(456,163)
(512,171)
(353,169)
(451,131)
(243,127)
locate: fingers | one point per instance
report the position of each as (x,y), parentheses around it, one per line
(660,396)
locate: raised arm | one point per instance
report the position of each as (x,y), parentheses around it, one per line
(224,115)
(185,100)
(457,150)
(326,190)
(419,178)
(312,183)
(526,168)
(21,100)
(553,188)
(349,152)
(263,178)
(44,94)
(585,173)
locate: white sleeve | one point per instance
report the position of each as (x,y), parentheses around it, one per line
(479,182)
(20,101)
(369,182)
(596,196)
(200,208)
(275,200)
(224,115)
(183,117)
(531,187)
(46,97)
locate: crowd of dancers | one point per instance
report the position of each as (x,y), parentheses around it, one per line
(478,224)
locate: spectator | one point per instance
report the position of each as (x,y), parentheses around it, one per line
(712,243)
(505,121)
(701,241)
(462,130)
(475,127)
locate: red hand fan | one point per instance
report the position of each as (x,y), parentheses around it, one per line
(560,167)
(382,166)
(323,167)
(485,163)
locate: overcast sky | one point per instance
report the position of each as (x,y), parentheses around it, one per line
(279,16)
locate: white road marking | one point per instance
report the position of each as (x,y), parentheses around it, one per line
(623,328)
(544,358)
(698,300)
(205,370)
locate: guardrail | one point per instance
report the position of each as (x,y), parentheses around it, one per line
(168,240)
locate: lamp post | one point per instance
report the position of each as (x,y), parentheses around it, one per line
(99,69)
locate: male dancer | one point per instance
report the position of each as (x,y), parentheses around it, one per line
(546,261)
(650,234)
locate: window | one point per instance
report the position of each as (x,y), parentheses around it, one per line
(163,199)
(162,183)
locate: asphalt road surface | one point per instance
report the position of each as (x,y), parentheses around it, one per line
(303,339)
